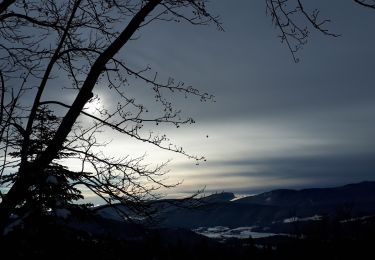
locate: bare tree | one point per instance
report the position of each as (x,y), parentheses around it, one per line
(46,42)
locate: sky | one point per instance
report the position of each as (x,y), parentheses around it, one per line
(275,123)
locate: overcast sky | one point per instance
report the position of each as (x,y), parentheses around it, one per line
(275,123)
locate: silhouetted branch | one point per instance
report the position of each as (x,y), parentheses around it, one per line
(366,4)
(287,18)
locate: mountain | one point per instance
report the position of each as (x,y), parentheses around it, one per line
(219,197)
(363,192)
(265,209)
(352,199)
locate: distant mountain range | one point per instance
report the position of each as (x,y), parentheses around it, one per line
(363,192)
(277,206)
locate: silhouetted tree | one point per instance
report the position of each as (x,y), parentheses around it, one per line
(54,190)
(46,42)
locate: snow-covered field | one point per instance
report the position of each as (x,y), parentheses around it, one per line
(297,219)
(220,232)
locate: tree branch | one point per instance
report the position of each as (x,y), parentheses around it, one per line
(372,6)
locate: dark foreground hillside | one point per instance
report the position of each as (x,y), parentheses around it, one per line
(58,241)
(334,223)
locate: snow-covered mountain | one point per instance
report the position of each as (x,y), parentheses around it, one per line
(277,206)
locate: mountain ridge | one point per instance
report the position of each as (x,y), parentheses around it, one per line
(342,202)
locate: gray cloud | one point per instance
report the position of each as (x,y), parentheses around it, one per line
(287,171)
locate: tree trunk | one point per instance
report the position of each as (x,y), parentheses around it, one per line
(13,197)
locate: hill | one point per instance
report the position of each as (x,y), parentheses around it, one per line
(277,206)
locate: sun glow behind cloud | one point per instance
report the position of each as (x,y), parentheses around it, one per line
(93,105)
